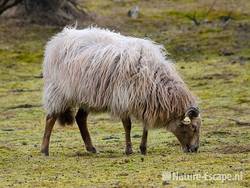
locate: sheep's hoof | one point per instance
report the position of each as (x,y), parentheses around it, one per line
(45,152)
(128,151)
(91,149)
(143,150)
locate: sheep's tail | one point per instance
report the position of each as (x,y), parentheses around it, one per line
(66,118)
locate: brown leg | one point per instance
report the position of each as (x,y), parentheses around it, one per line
(81,120)
(50,122)
(127,127)
(143,146)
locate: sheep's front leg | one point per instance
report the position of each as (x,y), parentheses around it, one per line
(81,120)
(127,127)
(50,122)
(143,146)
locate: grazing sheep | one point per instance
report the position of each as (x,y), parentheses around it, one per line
(96,69)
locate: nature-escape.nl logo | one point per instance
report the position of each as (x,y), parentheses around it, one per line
(176,176)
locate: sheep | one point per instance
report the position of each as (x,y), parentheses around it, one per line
(95,69)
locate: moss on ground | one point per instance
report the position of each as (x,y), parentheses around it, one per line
(214,61)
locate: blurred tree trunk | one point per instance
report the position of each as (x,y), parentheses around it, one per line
(43,11)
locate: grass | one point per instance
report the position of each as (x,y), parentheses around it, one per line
(220,81)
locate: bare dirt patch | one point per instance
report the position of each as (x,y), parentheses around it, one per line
(234,149)
(224,76)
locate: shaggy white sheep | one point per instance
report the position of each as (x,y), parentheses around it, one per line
(96,69)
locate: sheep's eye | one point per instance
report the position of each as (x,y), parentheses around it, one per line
(194,128)
(183,131)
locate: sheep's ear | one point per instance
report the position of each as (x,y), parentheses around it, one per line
(186,120)
(192,112)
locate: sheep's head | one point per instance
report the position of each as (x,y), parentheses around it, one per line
(187,130)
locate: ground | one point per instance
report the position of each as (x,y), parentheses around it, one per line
(213,57)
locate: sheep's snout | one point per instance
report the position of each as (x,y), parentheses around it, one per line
(191,148)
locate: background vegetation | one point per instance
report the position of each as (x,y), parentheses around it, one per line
(210,42)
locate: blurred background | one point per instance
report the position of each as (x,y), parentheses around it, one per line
(209,40)
(189,29)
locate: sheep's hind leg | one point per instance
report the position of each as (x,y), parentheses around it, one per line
(127,127)
(143,146)
(50,122)
(81,120)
